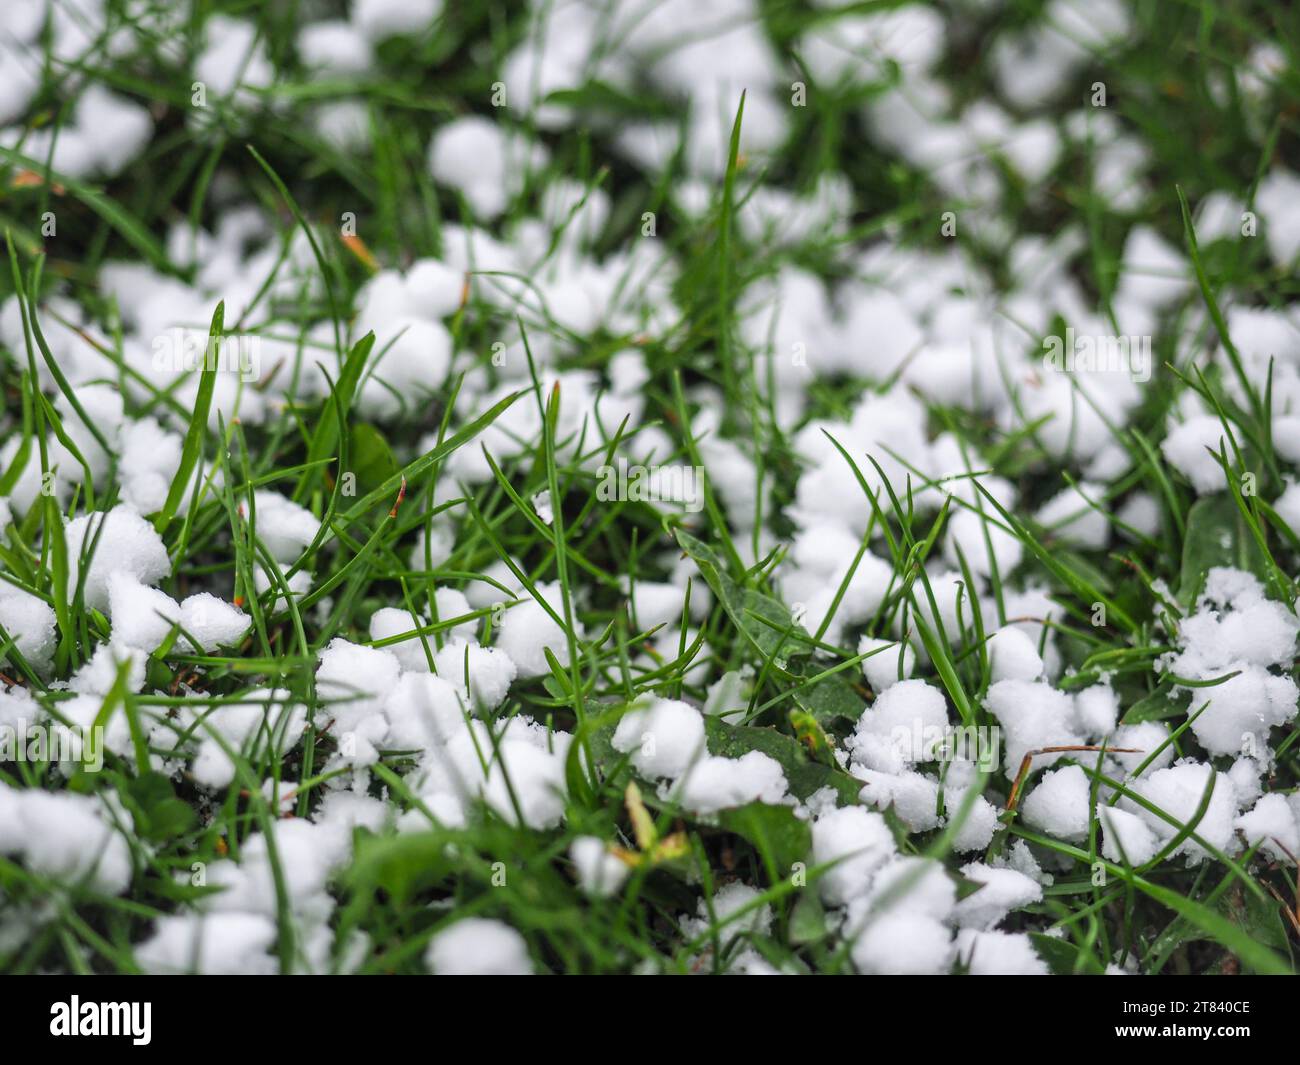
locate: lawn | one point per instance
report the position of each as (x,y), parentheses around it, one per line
(605,486)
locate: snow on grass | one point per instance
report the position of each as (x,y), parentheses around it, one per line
(621,487)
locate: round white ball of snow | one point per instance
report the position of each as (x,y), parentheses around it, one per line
(666,737)
(469,154)
(714,784)
(1179,792)
(378,19)
(1003,890)
(451,604)
(903,944)
(355,680)
(1272,823)
(219,944)
(283,526)
(433,288)
(883,667)
(1096,709)
(1236,716)
(528,631)
(390,621)
(1059,805)
(529,778)
(478,946)
(1184,447)
(30,622)
(424,711)
(859,842)
(1013,656)
(910,717)
(212,622)
(123,542)
(490,672)
(600,873)
(998,954)
(1126,837)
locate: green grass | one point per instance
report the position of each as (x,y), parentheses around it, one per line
(400,890)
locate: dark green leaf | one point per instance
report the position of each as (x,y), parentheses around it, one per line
(1216,536)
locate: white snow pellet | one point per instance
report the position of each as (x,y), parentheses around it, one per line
(216,944)
(65,836)
(1178,791)
(334,47)
(1059,805)
(1236,716)
(528,631)
(600,873)
(882,669)
(378,19)
(714,784)
(212,621)
(391,621)
(976,832)
(452,604)
(1077,516)
(998,954)
(1013,656)
(1126,837)
(1033,715)
(142,616)
(727,903)
(859,842)
(490,672)
(666,737)
(908,720)
(424,711)
(909,884)
(526,780)
(283,526)
(1188,447)
(355,680)
(1145,739)
(914,796)
(1096,710)
(903,944)
(478,946)
(1272,823)
(1287,506)
(31,623)
(1001,891)
(123,542)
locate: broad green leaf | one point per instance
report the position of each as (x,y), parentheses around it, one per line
(779,837)
(803,775)
(832,699)
(1158,706)
(1216,536)
(808,920)
(399,865)
(370,457)
(1259,917)
(1063,957)
(743,605)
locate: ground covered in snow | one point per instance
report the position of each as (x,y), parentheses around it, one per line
(614,486)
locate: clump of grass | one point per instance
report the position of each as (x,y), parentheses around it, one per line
(398,891)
